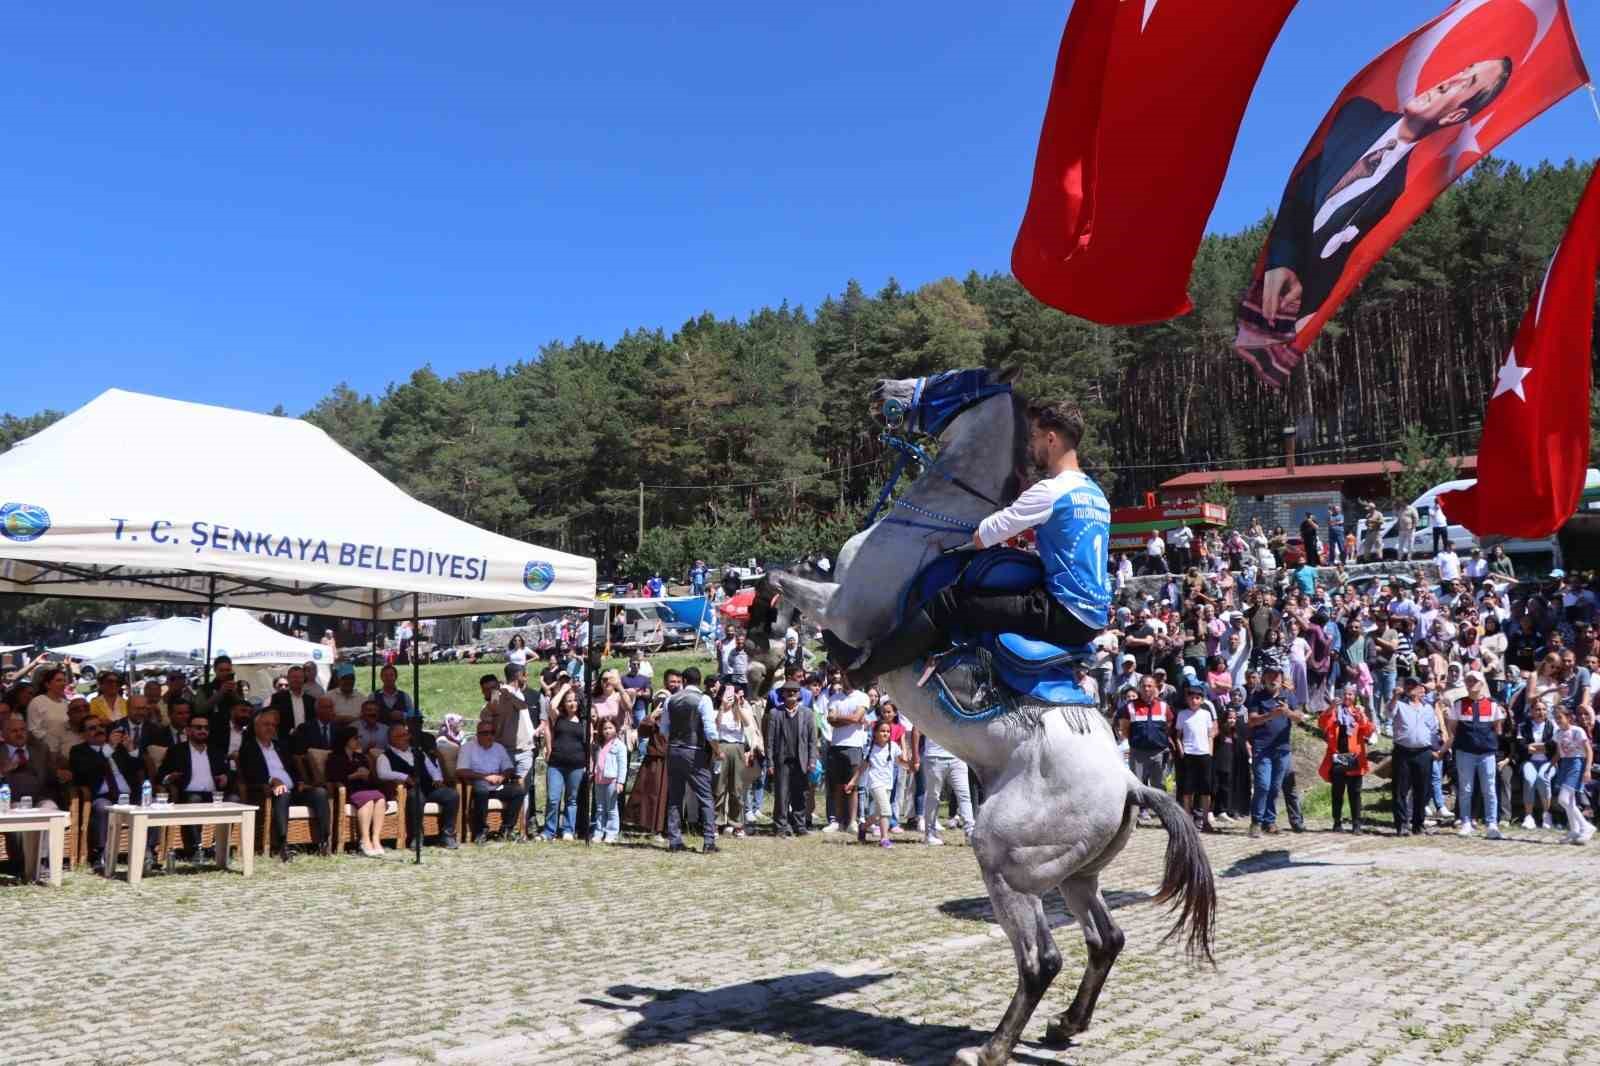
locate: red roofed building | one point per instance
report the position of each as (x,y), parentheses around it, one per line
(1281,495)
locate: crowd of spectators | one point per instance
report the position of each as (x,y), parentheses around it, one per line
(1454,681)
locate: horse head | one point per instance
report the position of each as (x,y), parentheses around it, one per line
(979,425)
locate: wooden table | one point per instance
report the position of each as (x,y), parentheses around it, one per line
(139,820)
(33,822)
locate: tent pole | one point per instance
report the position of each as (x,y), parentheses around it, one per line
(372,682)
(416,710)
(211,613)
(591,670)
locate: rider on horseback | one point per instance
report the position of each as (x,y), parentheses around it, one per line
(1071,520)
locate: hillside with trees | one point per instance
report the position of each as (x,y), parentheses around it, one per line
(771,411)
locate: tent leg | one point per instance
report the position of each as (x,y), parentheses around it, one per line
(591,673)
(211,614)
(416,705)
(372,682)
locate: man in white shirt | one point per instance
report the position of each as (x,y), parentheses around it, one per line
(424,779)
(347,699)
(1193,733)
(1449,564)
(1155,552)
(188,767)
(1440,525)
(1477,567)
(492,772)
(847,715)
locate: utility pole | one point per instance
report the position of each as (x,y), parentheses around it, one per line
(640,546)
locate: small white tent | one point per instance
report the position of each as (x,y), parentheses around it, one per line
(182,642)
(230,520)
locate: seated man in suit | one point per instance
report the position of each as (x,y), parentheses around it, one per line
(108,765)
(296,706)
(188,767)
(370,731)
(28,767)
(492,772)
(228,733)
(137,724)
(424,778)
(319,731)
(264,771)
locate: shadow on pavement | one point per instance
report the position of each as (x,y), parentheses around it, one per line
(979,909)
(1277,859)
(788,1008)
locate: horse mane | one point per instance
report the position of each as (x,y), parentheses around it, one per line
(1019,449)
(1026,717)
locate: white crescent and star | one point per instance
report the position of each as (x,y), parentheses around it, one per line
(1511,376)
(1422,49)
(1466,141)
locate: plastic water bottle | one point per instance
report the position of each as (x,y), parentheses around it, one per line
(5,797)
(144,795)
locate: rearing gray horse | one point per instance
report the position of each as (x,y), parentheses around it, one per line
(1060,803)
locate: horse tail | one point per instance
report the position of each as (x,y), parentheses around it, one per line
(1188,882)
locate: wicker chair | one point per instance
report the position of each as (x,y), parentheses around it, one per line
(311,767)
(494,817)
(430,810)
(347,830)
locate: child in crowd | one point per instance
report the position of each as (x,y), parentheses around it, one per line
(611,769)
(888,712)
(1574,759)
(882,756)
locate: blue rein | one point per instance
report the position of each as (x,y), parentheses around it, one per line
(967,390)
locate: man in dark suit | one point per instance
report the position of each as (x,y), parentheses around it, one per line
(188,767)
(1342,192)
(791,743)
(142,732)
(418,768)
(295,707)
(264,770)
(108,765)
(318,731)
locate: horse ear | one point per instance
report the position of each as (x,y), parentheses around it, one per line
(1008,374)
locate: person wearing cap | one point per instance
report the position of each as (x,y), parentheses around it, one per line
(347,699)
(1270,720)
(791,745)
(1146,723)
(1194,735)
(1472,726)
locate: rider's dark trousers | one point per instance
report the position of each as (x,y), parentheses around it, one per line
(1035,614)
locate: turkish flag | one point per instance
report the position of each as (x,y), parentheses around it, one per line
(1403,129)
(1144,109)
(1535,448)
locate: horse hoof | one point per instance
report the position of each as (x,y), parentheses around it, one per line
(1060,1034)
(971,1056)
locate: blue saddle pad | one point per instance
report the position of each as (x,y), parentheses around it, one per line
(1033,668)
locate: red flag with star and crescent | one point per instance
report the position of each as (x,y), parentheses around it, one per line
(1535,447)
(1404,128)
(1144,109)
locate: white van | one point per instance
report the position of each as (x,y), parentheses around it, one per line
(1537,556)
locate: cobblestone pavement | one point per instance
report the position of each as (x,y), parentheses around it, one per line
(1332,950)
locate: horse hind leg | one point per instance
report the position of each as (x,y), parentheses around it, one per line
(1038,961)
(1104,940)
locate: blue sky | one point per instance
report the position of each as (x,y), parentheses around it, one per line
(247,206)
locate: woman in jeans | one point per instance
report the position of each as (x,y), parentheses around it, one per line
(1347,728)
(1536,743)
(563,774)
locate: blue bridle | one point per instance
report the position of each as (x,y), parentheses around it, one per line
(935,402)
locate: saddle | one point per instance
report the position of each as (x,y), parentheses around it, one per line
(984,674)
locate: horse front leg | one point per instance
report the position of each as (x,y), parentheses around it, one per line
(1038,961)
(1103,938)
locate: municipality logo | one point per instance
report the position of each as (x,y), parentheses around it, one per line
(24,521)
(538,575)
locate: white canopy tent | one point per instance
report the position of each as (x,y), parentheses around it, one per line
(182,642)
(74,523)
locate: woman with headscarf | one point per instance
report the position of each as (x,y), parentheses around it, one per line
(450,732)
